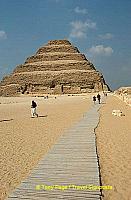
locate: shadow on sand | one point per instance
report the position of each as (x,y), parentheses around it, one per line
(42,116)
(6,120)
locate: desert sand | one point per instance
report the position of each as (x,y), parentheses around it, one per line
(114,149)
(24,140)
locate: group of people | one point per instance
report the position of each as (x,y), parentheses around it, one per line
(34,105)
(98,97)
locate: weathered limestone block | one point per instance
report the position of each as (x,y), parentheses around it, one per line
(54,57)
(98,86)
(58,48)
(55,66)
(10,90)
(105,87)
(59,42)
(58,89)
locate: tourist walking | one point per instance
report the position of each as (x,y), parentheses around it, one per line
(94,99)
(33,109)
(99,98)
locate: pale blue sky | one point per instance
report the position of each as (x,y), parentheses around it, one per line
(99,28)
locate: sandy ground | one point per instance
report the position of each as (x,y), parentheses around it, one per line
(24,140)
(114,148)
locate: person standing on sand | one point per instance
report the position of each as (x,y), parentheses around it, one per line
(99,98)
(94,99)
(33,109)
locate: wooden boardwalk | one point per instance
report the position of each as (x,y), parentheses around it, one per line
(71,161)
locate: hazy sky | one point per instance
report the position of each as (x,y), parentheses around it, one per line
(101,29)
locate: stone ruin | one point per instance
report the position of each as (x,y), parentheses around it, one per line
(56,68)
(123,90)
(124,93)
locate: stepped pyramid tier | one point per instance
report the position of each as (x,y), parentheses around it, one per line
(56,68)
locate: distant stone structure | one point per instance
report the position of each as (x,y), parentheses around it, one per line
(123,90)
(124,93)
(56,68)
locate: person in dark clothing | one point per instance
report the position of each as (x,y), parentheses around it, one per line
(33,109)
(94,99)
(99,98)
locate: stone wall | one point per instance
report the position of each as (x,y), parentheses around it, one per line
(77,78)
(58,48)
(54,57)
(47,66)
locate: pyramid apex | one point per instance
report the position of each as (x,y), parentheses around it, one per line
(59,42)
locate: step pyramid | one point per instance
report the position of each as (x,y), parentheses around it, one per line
(57,67)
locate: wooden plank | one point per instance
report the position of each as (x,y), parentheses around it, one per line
(73,160)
